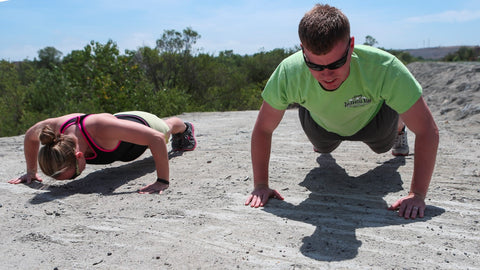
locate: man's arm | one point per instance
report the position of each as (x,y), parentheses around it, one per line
(267,121)
(420,121)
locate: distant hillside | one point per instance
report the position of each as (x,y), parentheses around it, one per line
(434,53)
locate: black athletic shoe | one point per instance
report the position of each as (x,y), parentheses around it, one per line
(184,141)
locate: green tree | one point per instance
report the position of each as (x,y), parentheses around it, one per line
(174,42)
(261,65)
(405,57)
(149,60)
(11,100)
(175,60)
(166,80)
(27,72)
(464,53)
(49,57)
(370,41)
(100,77)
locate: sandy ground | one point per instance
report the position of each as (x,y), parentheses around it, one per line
(334,214)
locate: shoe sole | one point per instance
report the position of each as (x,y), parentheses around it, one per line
(399,154)
(194,139)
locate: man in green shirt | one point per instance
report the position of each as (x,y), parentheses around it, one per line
(346,92)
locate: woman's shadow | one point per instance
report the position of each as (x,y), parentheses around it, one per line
(104,181)
(340,204)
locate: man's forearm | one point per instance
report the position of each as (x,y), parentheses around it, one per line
(260,151)
(424,163)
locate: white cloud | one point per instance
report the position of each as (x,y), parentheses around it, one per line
(450,16)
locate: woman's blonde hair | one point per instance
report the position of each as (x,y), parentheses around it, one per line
(57,154)
(322,28)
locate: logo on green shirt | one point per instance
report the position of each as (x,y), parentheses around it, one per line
(357,101)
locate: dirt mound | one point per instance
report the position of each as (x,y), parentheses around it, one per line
(452,90)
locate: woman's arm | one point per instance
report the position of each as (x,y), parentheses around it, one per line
(30,149)
(107,130)
(31,145)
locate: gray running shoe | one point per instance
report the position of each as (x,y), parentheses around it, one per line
(400,148)
(184,141)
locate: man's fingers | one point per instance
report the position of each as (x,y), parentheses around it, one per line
(393,207)
(277,195)
(421,212)
(414,212)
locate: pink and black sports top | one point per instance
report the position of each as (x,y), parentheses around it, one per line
(124,151)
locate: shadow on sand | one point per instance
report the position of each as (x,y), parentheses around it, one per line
(339,204)
(104,181)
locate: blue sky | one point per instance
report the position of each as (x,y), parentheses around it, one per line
(244,26)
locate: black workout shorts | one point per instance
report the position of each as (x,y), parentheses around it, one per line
(379,134)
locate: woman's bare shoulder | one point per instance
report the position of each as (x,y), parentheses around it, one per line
(54,122)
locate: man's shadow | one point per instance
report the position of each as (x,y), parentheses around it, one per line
(104,181)
(339,204)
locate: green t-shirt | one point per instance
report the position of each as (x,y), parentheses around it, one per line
(375,76)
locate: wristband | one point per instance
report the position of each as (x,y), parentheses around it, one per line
(163,181)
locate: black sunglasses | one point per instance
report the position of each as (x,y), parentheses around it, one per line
(337,64)
(77,171)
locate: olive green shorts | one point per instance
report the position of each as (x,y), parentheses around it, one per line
(379,134)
